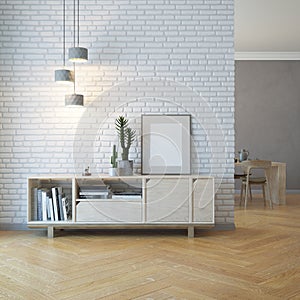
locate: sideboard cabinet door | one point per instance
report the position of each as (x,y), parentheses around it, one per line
(167,200)
(203,200)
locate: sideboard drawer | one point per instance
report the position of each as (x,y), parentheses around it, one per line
(109,211)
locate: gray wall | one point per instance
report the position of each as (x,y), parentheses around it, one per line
(267,113)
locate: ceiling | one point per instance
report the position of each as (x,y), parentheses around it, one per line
(267,25)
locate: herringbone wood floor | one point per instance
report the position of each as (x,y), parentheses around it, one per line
(259,260)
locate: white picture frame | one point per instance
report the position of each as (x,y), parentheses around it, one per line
(166,144)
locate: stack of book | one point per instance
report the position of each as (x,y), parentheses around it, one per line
(127,195)
(99,191)
(125,191)
(51,204)
(121,189)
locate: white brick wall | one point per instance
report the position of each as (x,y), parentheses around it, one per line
(145,56)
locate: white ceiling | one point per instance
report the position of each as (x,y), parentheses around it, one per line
(267,25)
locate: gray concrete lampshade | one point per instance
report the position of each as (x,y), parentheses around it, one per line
(78,54)
(64,75)
(74,99)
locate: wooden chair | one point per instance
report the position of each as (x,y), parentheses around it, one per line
(248,181)
(242,177)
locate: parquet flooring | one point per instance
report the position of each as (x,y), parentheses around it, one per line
(258,260)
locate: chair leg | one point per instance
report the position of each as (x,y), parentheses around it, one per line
(250,192)
(246,195)
(241,196)
(269,195)
(264,193)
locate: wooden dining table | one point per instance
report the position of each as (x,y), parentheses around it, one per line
(277,182)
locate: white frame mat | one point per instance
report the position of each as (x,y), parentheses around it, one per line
(166,144)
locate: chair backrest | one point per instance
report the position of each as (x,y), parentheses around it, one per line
(248,165)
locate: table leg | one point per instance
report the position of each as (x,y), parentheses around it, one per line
(277,181)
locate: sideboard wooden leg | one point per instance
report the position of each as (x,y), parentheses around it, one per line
(191,231)
(50,232)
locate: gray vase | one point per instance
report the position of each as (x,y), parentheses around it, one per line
(125,167)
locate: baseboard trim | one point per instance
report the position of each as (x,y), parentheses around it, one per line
(293,191)
(260,191)
(219,227)
(13,227)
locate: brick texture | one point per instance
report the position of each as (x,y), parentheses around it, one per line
(145,56)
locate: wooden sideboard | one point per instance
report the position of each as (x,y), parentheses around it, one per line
(161,201)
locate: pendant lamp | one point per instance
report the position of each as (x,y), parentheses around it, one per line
(76,53)
(74,99)
(64,75)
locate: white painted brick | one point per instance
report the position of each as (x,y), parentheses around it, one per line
(136,49)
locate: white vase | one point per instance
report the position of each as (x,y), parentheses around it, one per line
(113,172)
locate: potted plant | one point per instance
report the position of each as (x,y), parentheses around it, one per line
(113,160)
(126,137)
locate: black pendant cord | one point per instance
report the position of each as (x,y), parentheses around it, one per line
(74,21)
(78,23)
(64,32)
(74,78)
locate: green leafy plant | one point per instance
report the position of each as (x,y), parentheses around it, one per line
(113,158)
(126,135)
